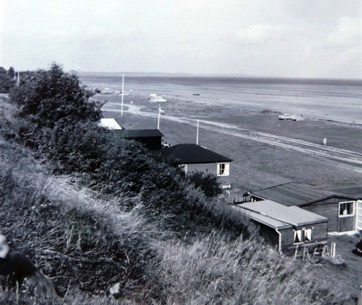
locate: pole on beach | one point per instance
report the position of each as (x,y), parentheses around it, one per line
(122,94)
(159,116)
(197,132)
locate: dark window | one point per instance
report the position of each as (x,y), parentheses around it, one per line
(346,208)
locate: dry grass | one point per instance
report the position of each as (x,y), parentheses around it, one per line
(216,271)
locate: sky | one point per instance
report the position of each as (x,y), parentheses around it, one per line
(269,38)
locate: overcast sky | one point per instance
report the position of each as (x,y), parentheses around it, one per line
(287,38)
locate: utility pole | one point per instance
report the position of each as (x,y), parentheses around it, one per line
(122,94)
(197,132)
(159,116)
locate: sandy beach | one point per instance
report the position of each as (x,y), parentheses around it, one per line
(334,100)
(266,151)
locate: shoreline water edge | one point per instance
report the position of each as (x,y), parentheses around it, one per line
(330,100)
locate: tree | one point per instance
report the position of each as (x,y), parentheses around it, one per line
(6,81)
(52,95)
(11,72)
(49,98)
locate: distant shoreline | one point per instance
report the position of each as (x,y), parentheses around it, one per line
(84,75)
(330,100)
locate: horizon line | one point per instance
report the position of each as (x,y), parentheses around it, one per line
(231,75)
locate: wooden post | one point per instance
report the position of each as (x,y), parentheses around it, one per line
(360,296)
(296,251)
(333,249)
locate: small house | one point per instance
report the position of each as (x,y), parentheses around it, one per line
(344,211)
(287,227)
(151,138)
(195,158)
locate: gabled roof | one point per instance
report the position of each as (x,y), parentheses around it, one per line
(277,215)
(193,154)
(298,194)
(139,133)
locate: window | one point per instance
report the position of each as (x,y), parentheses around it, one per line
(303,235)
(223,169)
(346,208)
(183,167)
(307,235)
(298,236)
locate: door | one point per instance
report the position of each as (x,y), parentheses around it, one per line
(359,215)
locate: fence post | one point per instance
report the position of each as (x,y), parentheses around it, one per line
(360,296)
(333,249)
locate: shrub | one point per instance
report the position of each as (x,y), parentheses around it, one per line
(47,97)
(208,183)
(6,79)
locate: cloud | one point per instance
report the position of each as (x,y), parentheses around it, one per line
(347,33)
(259,33)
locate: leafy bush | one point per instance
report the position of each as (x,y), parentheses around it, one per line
(6,79)
(208,183)
(51,95)
(48,97)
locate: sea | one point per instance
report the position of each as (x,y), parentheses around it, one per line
(325,99)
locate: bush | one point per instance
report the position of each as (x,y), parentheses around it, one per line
(208,183)
(49,97)
(6,79)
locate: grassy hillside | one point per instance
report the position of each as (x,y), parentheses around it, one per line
(197,251)
(86,245)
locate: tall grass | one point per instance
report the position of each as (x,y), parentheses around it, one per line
(75,237)
(214,270)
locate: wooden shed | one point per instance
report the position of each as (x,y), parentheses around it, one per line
(343,211)
(287,227)
(195,158)
(151,138)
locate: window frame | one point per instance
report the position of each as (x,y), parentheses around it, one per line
(303,235)
(183,167)
(226,171)
(301,239)
(353,203)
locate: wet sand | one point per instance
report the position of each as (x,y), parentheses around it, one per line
(336,100)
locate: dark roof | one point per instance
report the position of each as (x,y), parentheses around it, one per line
(193,154)
(119,122)
(298,194)
(139,133)
(355,191)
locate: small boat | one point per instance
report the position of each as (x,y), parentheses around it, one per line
(196,94)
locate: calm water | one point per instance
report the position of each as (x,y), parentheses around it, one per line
(339,100)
